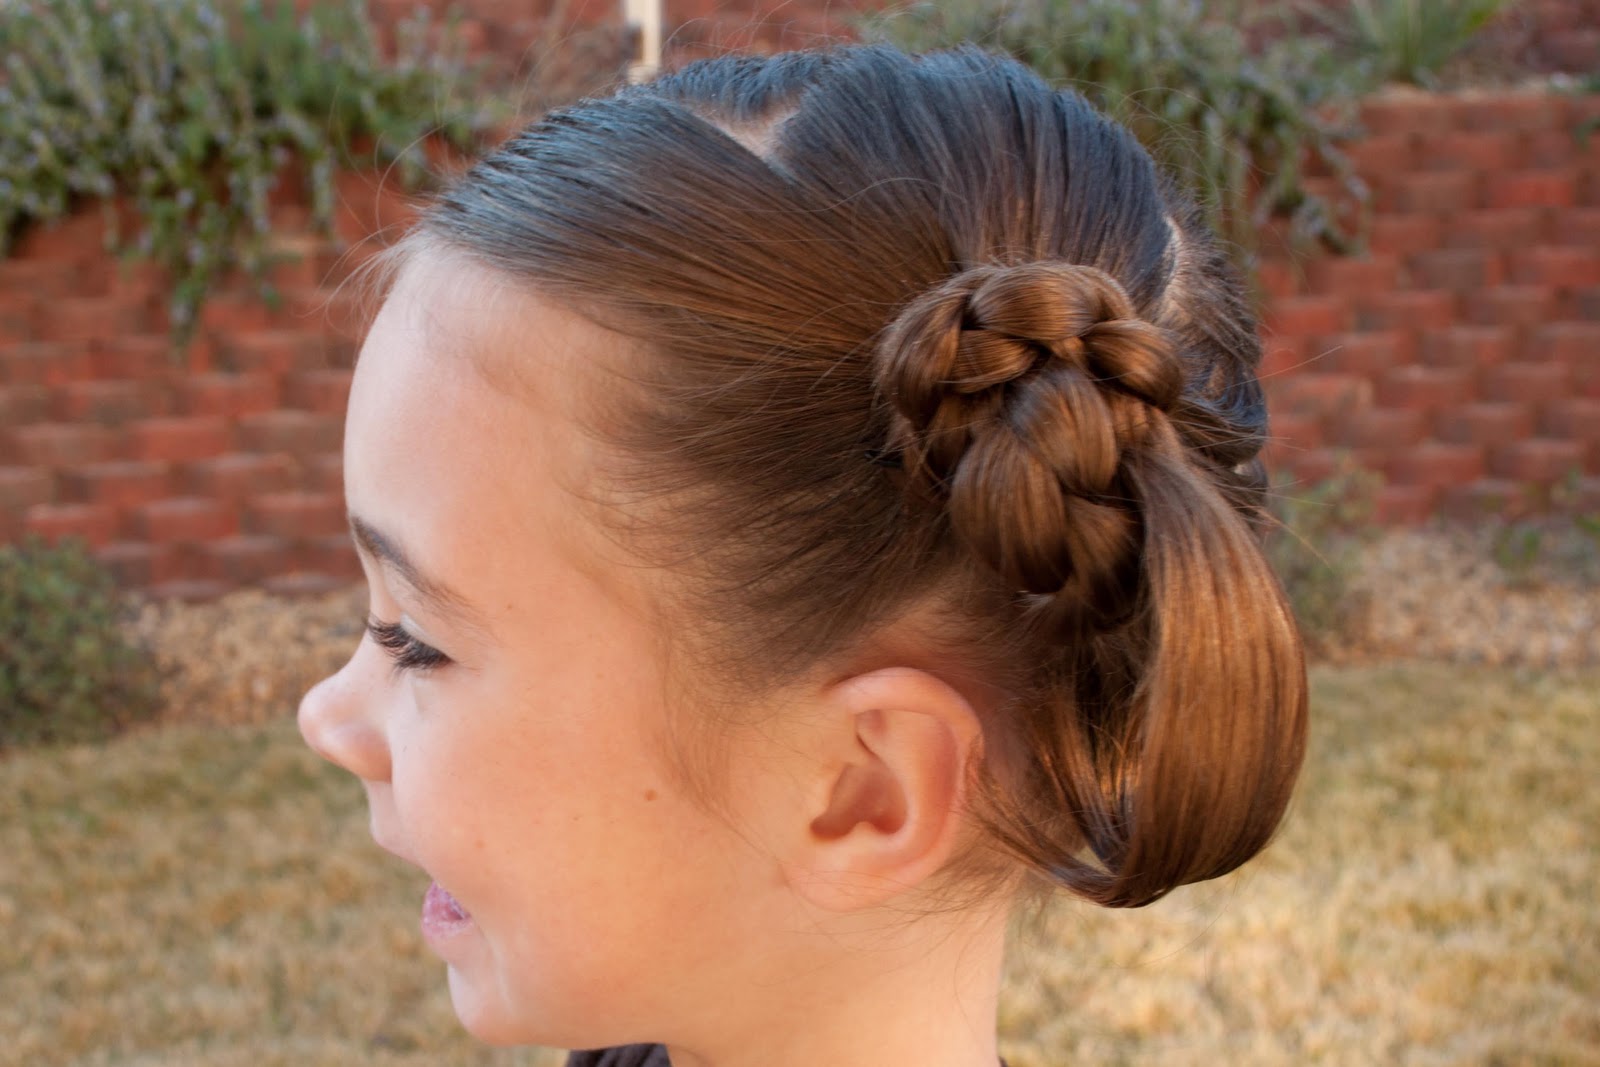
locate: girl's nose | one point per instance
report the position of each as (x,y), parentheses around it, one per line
(337,720)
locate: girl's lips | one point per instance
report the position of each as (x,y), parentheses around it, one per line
(443,917)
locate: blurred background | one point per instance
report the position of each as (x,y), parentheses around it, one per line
(188,192)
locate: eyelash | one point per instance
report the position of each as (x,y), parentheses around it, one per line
(408,653)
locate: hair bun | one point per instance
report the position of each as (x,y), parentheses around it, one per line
(1016,395)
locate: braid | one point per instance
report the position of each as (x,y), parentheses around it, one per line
(1017,395)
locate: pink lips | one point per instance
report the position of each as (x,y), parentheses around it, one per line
(443,917)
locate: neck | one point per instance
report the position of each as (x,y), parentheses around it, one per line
(930,1001)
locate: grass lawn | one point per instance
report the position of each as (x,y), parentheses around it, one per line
(208,895)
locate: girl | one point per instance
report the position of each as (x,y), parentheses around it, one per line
(810,503)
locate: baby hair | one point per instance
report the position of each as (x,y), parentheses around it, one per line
(924,332)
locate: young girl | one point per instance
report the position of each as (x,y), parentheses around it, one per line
(810,503)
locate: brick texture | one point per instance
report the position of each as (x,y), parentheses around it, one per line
(1458,356)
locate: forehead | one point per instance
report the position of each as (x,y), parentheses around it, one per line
(461,442)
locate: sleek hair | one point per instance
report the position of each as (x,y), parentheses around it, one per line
(924,330)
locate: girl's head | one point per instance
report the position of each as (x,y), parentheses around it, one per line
(797,488)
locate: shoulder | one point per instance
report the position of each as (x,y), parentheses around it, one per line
(628,1056)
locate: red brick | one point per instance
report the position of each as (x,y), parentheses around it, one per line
(1440,192)
(326,474)
(1349,276)
(1538,459)
(245,560)
(1404,234)
(57,444)
(117,483)
(72,239)
(23,404)
(1575,417)
(1484,423)
(1528,306)
(1315,466)
(1382,153)
(1416,114)
(1514,112)
(180,438)
(1573,343)
(1416,309)
(110,403)
(1579,227)
(1481,151)
(1379,429)
(23,487)
(1533,188)
(136,281)
(1504,228)
(43,363)
(1306,316)
(228,394)
(89,318)
(187,518)
(299,433)
(1527,383)
(1556,265)
(1581,497)
(274,352)
(237,476)
(150,356)
(1485,499)
(1438,466)
(332,555)
(1426,388)
(1403,505)
(1365,354)
(1317,395)
(297,514)
(322,391)
(1459,269)
(136,564)
(93,523)
(40,279)
(1549,149)
(232,314)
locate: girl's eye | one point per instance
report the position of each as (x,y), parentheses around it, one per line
(408,653)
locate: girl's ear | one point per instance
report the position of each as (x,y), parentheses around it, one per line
(890,799)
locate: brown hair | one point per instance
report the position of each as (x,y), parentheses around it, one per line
(922,329)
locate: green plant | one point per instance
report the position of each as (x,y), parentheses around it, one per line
(1517,548)
(1239,123)
(1316,551)
(1407,40)
(195,111)
(68,670)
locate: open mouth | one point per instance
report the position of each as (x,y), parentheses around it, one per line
(443,917)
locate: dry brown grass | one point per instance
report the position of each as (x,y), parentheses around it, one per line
(208,895)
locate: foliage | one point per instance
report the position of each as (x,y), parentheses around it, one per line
(1238,122)
(68,671)
(1407,40)
(1316,551)
(195,111)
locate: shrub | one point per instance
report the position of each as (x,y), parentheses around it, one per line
(1237,121)
(1407,40)
(195,110)
(68,670)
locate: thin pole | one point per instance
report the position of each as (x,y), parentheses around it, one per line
(646,15)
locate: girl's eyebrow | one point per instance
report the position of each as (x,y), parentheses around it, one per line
(435,595)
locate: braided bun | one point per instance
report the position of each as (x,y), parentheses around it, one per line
(1016,393)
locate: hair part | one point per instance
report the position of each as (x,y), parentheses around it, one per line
(924,331)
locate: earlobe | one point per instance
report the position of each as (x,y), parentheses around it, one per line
(896,800)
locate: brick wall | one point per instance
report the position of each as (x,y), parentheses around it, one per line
(1460,358)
